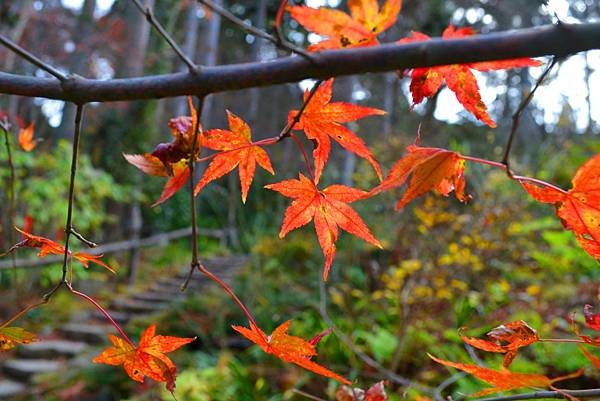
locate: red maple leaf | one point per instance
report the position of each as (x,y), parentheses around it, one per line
(148,358)
(236,150)
(579,208)
(459,78)
(25,138)
(322,119)
(431,168)
(358,29)
(288,348)
(329,208)
(49,247)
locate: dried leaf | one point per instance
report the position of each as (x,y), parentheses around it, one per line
(236,150)
(288,348)
(504,380)
(506,339)
(322,119)
(432,169)
(459,78)
(11,336)
(578,208)
(329,208)
(147,359)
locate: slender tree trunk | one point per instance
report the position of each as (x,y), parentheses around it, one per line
(189,48)
(213,30)
(389,94)
(261,18)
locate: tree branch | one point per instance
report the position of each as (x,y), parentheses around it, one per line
(147,11)
(559,40)
(15,48)
(279,42)
(590,393)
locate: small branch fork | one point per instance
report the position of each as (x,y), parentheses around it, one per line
(21,52)
(516,118)
(277,41)
(147,11)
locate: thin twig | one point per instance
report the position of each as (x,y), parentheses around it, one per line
(81,238)
(307,395)
(588,393)
(32,59)
(437,392)
(69,222)
(389,375)
(516,118)
(282,44)
(23,311)
(192,160)
(5,125)
(147,11)
(290,125)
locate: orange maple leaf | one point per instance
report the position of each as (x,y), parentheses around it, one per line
(11,336)
(288,348)
(321,119)
(236,150)
(358,29)
(506,339)
(431,168)
(25,138)
(459,78)
(329,208)
(579,208)
(504,380)
(49,247)
(147,359)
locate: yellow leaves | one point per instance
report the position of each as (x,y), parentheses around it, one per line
(11,336)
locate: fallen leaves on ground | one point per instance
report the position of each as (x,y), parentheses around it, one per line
(147,359)
(328,208)
(288,348)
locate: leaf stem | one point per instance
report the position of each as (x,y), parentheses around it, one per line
(191,162)
(305,156)
(104,312)
(147,11)
(227,289)
(22,312)
(516,118)
(561,340)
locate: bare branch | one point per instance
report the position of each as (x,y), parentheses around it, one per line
(147,11)
(516,119)
(530,42)
(589,393)
(31,58)
(279,42)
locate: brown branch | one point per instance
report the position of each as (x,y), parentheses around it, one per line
(147,11)
(589,393)
(71,197)
(195,260)
(279,42)
(530,42)
(15,48)
(516,118)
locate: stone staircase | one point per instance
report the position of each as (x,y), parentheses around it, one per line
(59,349)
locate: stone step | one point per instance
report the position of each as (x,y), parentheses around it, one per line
(158,297)
(136,306)
(87,332)
(51,349)
(118,316)
(10,388)
(23,369)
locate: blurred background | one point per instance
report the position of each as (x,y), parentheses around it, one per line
(445,265)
